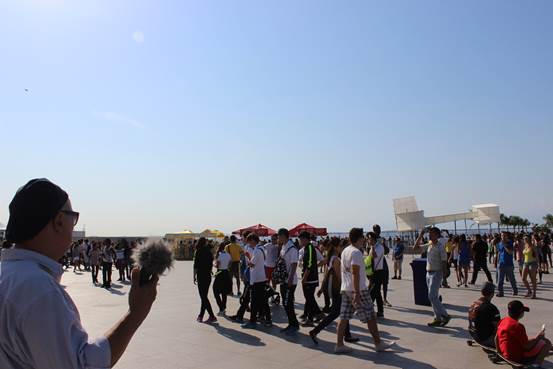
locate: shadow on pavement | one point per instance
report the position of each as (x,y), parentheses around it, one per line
(238,336)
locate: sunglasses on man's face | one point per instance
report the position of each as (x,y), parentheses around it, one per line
(73,214)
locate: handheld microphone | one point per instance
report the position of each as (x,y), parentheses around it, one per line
(154,258)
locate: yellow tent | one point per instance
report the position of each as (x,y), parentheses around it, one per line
(212,233)
(184,235)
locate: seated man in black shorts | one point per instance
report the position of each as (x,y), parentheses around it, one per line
(484,317)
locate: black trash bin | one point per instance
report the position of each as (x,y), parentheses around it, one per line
(419,282)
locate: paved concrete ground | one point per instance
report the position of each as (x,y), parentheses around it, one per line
(171,337)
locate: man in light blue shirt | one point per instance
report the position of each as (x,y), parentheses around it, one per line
(40,325)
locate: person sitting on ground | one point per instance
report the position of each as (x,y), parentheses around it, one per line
(512,341)
(484,317)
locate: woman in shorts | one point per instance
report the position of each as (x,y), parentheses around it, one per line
(530,267)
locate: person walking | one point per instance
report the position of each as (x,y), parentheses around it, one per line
(272,250)
(530,267)
(397,255)
(235,251)
(465,256)
(310,279)
(289,253)
(504,259)
(222,286)
(258,284)
(120,263)
(332,282)
(519,254)
(376,250)
(95,254)
(480,252)
(356,298)
(436,264)
(108,255)
(203,264)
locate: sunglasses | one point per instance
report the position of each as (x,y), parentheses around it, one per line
(74,214)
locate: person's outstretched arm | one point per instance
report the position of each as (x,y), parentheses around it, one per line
(141,299)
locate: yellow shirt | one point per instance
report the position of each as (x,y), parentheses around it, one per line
(529,256)
(235,250)
(448,247)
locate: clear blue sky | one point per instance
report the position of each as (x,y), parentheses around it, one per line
(158,116)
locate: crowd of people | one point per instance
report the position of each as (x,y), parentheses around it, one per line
(262,267)
(355,277)
(90,256)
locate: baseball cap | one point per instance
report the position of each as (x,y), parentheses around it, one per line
(516,308)
(32,207)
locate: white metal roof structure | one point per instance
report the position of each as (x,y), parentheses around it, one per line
(410,218)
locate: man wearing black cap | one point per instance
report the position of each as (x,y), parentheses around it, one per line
(39,323)
(513,343)
(484,317)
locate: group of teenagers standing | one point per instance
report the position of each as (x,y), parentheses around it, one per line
(93,255)
(265,268)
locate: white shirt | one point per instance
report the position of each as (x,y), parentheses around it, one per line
(40,326)
(320,256)
(352,256)
(301,252)
(272,255)
(290,255)
(436,255)
(257,271)
(379,258)
(248,250)
(224,260)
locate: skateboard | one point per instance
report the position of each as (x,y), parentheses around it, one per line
(495,357)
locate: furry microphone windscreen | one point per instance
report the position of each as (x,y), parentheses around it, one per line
(153,258)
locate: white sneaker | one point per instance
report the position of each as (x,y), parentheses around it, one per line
(222,313)
(383,345)
(340,350)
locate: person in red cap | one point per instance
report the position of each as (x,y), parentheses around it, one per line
(512,341)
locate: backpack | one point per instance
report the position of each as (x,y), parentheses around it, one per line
(280,273)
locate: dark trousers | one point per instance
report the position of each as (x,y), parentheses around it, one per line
(287,294)
(311,307)
(259,302)
(376,287)
(106,274)
(244,301)
(481,264)
(203,290)
(94,273)
(447,271)
(220,298)
(326,296)
(332,315)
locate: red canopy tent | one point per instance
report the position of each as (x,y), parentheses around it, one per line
(259,229)
(294,232)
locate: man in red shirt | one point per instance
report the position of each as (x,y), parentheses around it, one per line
(512,341)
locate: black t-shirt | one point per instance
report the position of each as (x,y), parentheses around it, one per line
(310,263)
(482,316)
(480,249)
